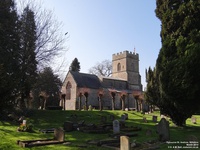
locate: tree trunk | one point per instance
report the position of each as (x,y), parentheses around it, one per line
(45,102)
(113,103)
(123,102)
(63,99)
(178,119)
(79,103)
(100,102)
(128,101)
(86,94)
(86,103)
(113,100)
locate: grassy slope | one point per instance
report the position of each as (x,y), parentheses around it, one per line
(52,119)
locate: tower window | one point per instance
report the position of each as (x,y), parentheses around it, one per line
(118,67)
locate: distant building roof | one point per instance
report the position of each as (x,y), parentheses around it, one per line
(86,80)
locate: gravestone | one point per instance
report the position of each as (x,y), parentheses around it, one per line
(154,118)
(112,117)
(194,120)
(59,134)
(24,122)
(122,120)
(124,143)
(103,119)
(123,117)
(116,127)
(68,126)
(21,119)
(163,130)
(145,119)
(126,116)
(90,108)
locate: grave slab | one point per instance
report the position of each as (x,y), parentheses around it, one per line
(58,138)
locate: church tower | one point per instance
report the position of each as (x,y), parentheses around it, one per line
(125,65)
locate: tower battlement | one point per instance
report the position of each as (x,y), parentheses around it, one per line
(125,54)
(125,65)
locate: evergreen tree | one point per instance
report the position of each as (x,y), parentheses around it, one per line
(177,67)
(151,93)
(28,63)
(9,54)
(75,65)
(50,84)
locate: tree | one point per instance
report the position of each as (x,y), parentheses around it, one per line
(103,68)
(9,54)
(75,65)
(49,38)
(40,43)
(152,92)
(28,63)
(28,40)
(48,84)
(177,72)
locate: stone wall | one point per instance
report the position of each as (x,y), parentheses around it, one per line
(70,105)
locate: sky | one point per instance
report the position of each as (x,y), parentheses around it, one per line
(99,28)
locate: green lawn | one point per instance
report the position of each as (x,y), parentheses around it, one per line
(52,119)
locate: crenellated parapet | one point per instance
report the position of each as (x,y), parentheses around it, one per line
(125,54)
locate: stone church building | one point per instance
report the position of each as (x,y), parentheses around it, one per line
(120,91)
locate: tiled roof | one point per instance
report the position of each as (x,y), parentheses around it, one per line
(86,80)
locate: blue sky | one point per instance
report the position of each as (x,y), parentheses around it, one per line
(99,28)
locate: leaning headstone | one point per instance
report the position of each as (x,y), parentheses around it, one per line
(59,134)
(194,120)
(163,130)
(154,118)
(21,119)
(68,126)
(116,127)
(124,143)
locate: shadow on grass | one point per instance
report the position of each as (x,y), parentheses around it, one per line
(42,119)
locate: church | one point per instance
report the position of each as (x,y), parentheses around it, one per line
(119,92)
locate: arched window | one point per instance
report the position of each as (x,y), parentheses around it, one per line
(68,91)
(118,67)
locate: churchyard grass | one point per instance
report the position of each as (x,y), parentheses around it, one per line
(53,118)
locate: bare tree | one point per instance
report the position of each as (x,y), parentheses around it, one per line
(103,68)
(50,40)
